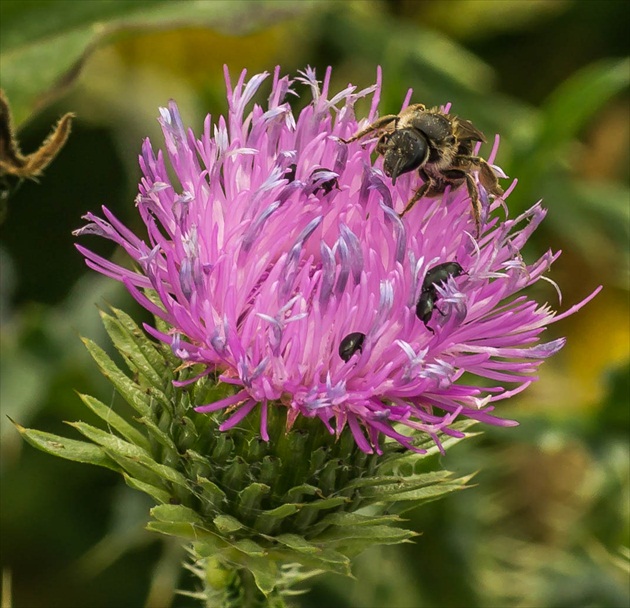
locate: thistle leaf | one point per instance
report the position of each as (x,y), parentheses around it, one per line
(180,530)
(410,500)
(334,559)
(129,450)
(113,420)
(109,441)
(327,503)
(265,573)
(179,520)
(391,484)
(282,511)
(251,497)
(137,470)
(211,492)
(297,543)
(130,391)
(158,434)
(295,494)
(149,360)
(249,547)
(226,524)
(159,495)
(398,481)
(176,514)
(357,519)
(70,449)
(372,534)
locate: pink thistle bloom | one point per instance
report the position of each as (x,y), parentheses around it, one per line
(281,262)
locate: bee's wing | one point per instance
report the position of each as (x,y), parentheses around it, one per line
(465,130)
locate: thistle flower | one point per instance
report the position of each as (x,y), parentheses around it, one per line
(280,263)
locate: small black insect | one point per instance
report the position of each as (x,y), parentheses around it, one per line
(326,185)
(289,174)
(351,344)
(440,146)
(440,273)
(429,295)
(425,306)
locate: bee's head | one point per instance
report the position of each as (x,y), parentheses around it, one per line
(403,150)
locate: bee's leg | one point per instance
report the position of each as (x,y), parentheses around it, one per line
(487,176)
(383,121)
(474,201)
(420,192)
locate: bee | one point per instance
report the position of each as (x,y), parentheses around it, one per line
(351,344)
(440,146)
(428,297)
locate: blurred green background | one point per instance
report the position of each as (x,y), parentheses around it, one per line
(547,524)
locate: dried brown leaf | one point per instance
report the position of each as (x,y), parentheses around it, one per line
(29,166)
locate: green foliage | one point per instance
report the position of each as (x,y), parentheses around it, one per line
(44,44)
(70,449)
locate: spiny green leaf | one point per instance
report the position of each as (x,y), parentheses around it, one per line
(158,434)
(129,450)
(282,511)
(189,431)
(327,560)
(251,496)
(357,519)
(265,573)
(180,530)
(167,472)
(330,556)
(160,396)
(297,543)
(373,534)
(70,449)
(226,524)
(249,547)
(327,503)
(137,470)
(109,441)
(354,547)
(394,484)
(154,368)
(176,514)
(295,494)
(113,420)
(126,387)
(268,521)
(159,495)
(212,491)
(212,546)
(428,444)
(128,348)
(413,498)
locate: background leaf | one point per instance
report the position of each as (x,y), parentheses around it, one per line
(44,43)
